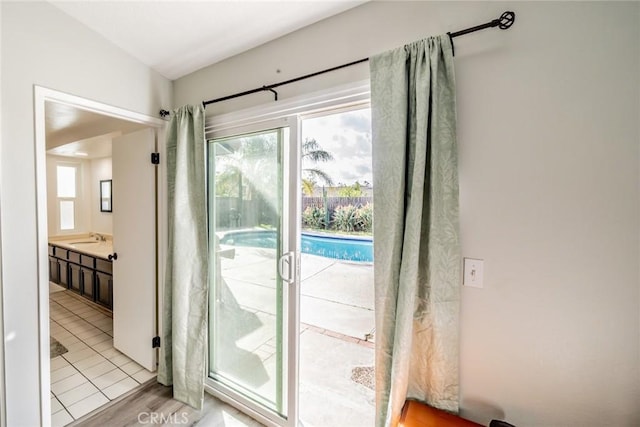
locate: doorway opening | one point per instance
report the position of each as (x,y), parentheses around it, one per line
(86,361)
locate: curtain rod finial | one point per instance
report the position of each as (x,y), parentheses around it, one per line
(506,20)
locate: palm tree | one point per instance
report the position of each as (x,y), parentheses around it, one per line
(313,152)
(307,186)
(249,168)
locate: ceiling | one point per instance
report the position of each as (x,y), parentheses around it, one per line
(174,38)
(70,131)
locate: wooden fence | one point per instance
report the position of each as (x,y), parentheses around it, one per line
(235,213)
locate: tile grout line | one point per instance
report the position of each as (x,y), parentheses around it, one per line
(73,314)
(65,407)
(81,319)
(88,311)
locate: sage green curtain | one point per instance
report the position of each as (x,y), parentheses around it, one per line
(184,336)
(416,251)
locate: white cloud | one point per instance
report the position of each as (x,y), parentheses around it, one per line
(347,136)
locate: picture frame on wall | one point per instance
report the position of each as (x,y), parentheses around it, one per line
(105,196)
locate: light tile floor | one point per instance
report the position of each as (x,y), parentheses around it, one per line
(92,372)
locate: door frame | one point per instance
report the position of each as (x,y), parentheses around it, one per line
(293,110)
(41,96)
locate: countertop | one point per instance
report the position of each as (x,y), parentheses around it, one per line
(85,244)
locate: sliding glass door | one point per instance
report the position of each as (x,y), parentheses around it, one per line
(253,236)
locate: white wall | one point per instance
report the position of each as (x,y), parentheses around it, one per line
(43,46)
(549,189)
(101,222)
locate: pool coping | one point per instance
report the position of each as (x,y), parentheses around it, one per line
(338,236)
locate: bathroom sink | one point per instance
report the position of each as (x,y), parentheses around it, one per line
(88,244)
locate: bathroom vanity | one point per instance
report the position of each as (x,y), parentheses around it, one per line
(83,266)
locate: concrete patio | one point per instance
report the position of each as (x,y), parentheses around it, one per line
(336,314)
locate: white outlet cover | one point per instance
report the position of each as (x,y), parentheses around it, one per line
(473,272)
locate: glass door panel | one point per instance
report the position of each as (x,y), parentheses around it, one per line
(250,268)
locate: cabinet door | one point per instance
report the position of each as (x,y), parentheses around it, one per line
(88,290)
(64,273)
(104,289)
(54,270)
(75,278)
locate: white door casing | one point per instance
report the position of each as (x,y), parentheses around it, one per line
(41,96)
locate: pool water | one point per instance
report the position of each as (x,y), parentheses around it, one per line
(338,247)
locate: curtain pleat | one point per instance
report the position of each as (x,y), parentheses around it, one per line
(184,337)
(417,253)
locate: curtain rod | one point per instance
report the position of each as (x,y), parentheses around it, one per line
(503,22)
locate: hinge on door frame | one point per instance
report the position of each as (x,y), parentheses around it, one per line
(155,158)
(155,342)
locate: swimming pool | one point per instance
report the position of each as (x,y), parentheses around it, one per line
(346,248)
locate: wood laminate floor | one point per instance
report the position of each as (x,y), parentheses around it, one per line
(153,405)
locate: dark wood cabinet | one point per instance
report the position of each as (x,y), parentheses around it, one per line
(54,270)
(104,289)
(104,266)
(75,278)
(88,261)
(73,257)
(64,273)
(88,285)
(58,266)
(84,274)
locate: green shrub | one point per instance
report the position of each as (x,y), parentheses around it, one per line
(345,218)
(314,217)
(354,190)
(364,216)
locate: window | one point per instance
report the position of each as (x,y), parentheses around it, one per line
(67,183)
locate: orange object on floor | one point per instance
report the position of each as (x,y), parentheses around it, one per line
(416,414)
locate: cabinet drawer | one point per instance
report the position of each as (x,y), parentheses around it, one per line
(52,250)
(74,257)
(104,265)
(60,252)
(88,261)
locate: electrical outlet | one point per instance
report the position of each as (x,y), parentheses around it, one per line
(473,271)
